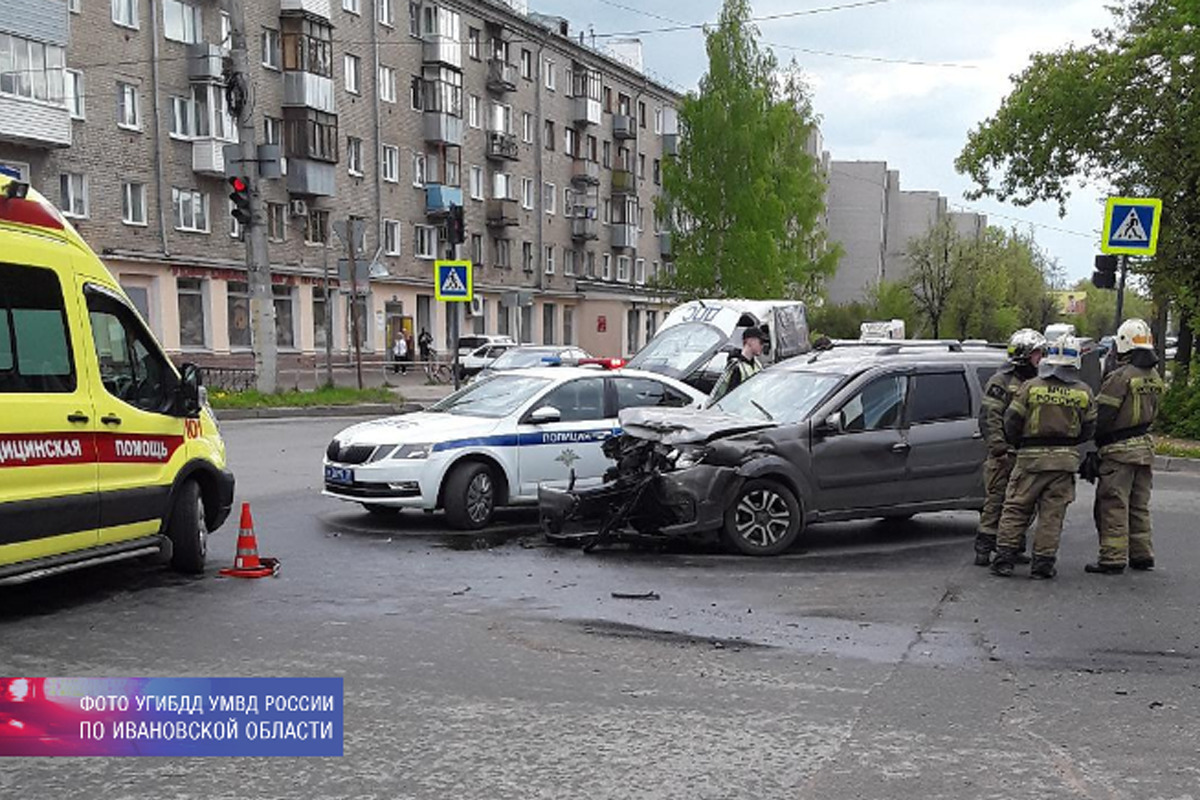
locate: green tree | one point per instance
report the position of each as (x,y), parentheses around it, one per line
(935,270)
(884,301)
(1100,310)
(745,191)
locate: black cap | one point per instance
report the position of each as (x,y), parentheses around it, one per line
(754,332)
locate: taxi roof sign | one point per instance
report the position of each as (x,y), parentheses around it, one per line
(453,281)
(1131,226)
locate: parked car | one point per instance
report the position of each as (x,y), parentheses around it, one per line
(850,433)
(493,442)
(527,357)
(482,357)
(472,342)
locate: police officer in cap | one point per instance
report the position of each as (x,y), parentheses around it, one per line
(742,365)
(1128,403)
(1050,416)
(1024,352)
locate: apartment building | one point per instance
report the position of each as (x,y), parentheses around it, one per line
(385,112)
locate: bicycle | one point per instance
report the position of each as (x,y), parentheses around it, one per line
(437,372)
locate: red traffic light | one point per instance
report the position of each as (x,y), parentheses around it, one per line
(238,184)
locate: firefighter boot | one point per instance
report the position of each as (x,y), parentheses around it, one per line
(1002,564)
(984,545)
(1104,569)
(1043,568)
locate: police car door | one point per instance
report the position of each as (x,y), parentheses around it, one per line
(549,450)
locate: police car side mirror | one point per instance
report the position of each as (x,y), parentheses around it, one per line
(544,415)
(191,385)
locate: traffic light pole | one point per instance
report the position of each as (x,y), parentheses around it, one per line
(1122,268)
(258,265)
(354,321)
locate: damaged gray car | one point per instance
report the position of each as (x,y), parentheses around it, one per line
(850,433)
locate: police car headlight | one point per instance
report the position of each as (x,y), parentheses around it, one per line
(684,457)
(410,452)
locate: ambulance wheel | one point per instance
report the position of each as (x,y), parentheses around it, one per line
(187,531)
(470,496)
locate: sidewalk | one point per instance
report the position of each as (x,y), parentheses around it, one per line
(412,394)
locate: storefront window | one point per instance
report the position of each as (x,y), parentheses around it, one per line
(239,314)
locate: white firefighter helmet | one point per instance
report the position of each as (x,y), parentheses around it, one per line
(1134,334)
(1023,344)
(1063,352)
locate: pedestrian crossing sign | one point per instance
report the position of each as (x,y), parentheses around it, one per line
(1131,226)
(452,282)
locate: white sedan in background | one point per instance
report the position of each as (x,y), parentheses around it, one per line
(494,442)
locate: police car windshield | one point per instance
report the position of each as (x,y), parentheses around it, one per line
(492,398)
(679,349)
(522,358)
(784,395)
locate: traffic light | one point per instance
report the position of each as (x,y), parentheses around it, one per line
(1105,274)
(456,226)
(241,200)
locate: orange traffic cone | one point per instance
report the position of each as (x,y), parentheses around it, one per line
(247,564)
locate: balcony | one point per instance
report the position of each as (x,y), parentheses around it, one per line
(670,144)
(502,76)
(624,236)
(502,146)
(587,111)
(502,213)
(208,156)
(624,127)
(438,49)
(311,178)
(585,172)
(307,90)
(585,229)
(442,128)
(439,198)
(34,124)
(664,244)
(205,63)
(623,182)
(316,8)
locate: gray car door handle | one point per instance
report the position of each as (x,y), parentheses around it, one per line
(901,447)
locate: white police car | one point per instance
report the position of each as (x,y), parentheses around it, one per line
(493,442)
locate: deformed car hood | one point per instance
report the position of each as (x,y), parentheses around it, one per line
(676,426)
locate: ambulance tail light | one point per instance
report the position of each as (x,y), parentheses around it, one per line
(17,207)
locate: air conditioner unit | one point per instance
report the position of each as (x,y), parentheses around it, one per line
(298,208)
(475,307)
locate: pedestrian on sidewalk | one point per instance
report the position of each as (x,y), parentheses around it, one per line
(400,355)
(424,341)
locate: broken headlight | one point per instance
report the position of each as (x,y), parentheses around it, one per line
(684,457)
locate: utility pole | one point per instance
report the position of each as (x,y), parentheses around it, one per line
(351,243)
(454,310)
(258,265)
(327,322)
(1122,269)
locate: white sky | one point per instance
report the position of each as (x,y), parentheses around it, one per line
(914,117)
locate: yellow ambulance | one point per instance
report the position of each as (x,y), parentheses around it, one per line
(107,451)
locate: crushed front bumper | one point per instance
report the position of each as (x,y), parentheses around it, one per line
(658,506)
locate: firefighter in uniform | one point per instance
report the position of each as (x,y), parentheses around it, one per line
(742,365)
(1050,416)
(1128,403)
(1024,353)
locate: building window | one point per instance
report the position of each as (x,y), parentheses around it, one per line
(653,271)
(658,119)
(352,66)
(570,142)
(354,163)
(133,203)
(607,217)
(473,111)
(551,80)
(527,256)
(182,22)
(606,267)
(549,259)
(623,269)
(74,188)
(124,13)
(276,222)
(414,20)
(415,92)
(502,249)
(526,64)
(526,193)
(321,307)
(307,45)
(75,6)
(352,6)
(641,114)
(569,257)
(502,184)
(418,160)
(270,48)
(386,12)
(590,260)
(237,305)
(190,209)
(549,318)
(632,323)
(657,172)
(549,197)
(526,127)
(608,106)
(607,149)
(189,115)
(477,249)
(387,84)
(311,134)
(316,227)
(129,112)
(285,315)
(641,166)
(390,164)
(476,183)
(473,35)
(549,134)
(639,271)
(190,292)
(426,242)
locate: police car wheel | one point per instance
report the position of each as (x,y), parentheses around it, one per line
(187,531)
(763,520)
(470,496)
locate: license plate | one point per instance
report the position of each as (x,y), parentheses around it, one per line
(340,475)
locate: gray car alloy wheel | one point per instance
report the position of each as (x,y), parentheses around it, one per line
(480,497)
(762,517)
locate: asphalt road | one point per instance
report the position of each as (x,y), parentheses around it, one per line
(872,662)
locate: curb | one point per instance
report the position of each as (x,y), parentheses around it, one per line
(361,410)
(1190,466)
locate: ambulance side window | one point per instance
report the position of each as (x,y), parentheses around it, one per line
(131,367)
(35,350)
